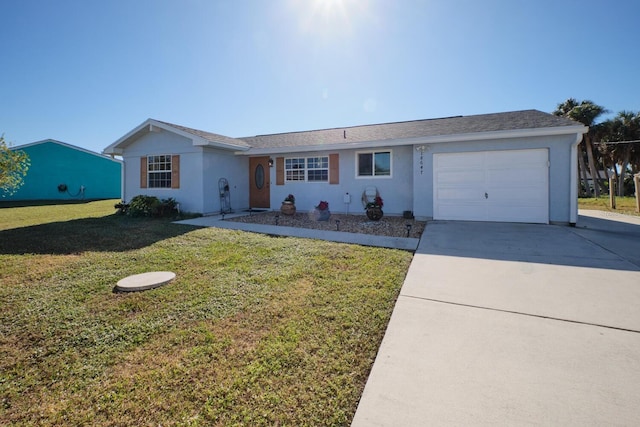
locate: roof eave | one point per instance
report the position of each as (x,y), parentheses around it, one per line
(505,134)
(437,139)
(151,125)
(117,148)
(201,142)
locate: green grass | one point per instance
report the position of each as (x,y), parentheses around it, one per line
(255,330)
(624,205)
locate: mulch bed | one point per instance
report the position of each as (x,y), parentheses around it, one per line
(394,226)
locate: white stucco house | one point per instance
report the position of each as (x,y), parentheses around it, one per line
(516,166)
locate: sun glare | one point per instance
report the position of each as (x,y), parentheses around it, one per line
(326,18)
(331,9)
(328,6)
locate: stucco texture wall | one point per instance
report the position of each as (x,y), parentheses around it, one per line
(396,190)
(559,170)
(235,169)
(189,195)
(53,164)
(200,170)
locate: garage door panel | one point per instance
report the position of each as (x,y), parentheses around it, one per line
(461,177)
(516,177)
(506,196)
(510,186)
(467,161)
(445,195)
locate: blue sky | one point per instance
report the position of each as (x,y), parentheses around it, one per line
(86,72)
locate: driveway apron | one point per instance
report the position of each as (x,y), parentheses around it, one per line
(514,324)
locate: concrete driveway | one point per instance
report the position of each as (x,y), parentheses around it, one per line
(514,324)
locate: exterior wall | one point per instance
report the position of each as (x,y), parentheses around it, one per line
(223,164)
(53,164)
(409,188)
(189,195)
(559,170)
(396,191)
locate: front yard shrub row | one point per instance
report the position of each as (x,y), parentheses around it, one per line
(149,206)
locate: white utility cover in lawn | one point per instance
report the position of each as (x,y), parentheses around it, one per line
(506,186)
(145,281)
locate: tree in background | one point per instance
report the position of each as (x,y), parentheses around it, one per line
(585,112)
(619,144)
(13,168)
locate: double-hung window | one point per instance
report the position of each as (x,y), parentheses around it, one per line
(310,169)
(294,169)
(318,169)
(159,171)
(373,164)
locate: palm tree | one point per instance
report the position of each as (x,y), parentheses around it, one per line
(625,126)
(585,112)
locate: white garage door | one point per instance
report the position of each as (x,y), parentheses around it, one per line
(509,186)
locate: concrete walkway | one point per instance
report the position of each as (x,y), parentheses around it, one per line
(409,244)
(514,324)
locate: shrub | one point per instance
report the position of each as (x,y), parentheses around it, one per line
(148,206)
(168,207)
(143,206)
(122,207)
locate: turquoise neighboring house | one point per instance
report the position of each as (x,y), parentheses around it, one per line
(61,171)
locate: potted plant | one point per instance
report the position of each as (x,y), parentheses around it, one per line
(374,209)
(288,205)
(321,212)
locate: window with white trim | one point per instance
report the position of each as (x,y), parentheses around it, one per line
(159,171)
(372,164)
(310,169)
(318,169)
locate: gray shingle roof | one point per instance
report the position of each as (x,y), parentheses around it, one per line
(527,119)
(212,137)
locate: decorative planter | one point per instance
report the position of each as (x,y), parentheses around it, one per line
(288,208)
(374,214)
(321,215)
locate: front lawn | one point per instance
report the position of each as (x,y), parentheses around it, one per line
(624,205)
(255,330)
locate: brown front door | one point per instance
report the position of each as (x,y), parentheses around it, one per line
(259,183)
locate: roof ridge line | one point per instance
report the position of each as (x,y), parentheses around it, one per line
(351,127)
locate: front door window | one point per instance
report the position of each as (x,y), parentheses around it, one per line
(259,177)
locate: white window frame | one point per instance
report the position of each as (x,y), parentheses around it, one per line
(321,160)
(305,169)
(167,161)
(373,159)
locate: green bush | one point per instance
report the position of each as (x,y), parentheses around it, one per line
(143,206)
(122,207)
(149,206)
(168,207)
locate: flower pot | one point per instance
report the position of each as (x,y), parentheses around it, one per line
(288,208)
(374,213)
(321,215)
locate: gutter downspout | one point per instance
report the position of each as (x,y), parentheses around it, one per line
(573,189)
(122,181)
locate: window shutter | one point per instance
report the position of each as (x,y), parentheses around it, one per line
(143,172)
(279,170)
(175,171)
(334,169)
